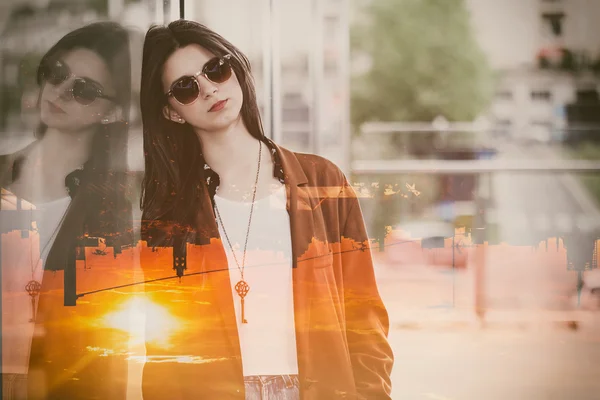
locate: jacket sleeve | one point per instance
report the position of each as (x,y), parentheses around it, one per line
(367,322)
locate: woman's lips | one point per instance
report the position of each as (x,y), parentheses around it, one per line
(54,108)
(218,106)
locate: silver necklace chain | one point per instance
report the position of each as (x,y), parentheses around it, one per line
(249,219)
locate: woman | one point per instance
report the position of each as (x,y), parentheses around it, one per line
(69,176)
(271,302)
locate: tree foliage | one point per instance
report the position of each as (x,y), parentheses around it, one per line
(424,62)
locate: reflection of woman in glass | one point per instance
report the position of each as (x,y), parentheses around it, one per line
(285,304)
(68,175)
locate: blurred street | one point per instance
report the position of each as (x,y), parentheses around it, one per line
(536,343)
(495,364)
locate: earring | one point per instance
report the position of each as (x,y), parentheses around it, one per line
(181,121)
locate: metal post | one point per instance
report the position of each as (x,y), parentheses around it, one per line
(70,277)
(271,71)
(275,95)
(166,11)
(345,77)
(316,75)
(481,246)
(480,255)
(453,270)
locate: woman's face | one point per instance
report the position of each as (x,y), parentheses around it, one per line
(59,106)
(187,61)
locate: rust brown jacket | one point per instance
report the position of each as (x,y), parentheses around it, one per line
(341,322)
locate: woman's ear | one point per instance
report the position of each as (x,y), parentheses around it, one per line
(171,115)
(114,115)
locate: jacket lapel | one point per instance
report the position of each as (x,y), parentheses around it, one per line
(302,232)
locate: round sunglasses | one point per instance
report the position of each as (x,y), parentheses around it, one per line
(83,90)
(186,89)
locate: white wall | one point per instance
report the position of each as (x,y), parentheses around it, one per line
(507,30)
(582,25)
(510,31)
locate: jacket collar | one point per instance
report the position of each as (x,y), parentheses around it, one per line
(290,166)
(287,168)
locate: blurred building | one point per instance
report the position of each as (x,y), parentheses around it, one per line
(545,52)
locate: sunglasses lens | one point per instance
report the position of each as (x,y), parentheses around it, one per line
(56,73)
(185,90)
(84,93)
(218,70)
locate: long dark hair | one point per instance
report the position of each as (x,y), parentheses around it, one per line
(173,172)
(96,208)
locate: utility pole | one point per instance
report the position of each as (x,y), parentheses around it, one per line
(483,180)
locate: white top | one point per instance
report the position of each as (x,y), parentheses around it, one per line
(268,340)
(20,257)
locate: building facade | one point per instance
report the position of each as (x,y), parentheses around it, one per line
(543,51)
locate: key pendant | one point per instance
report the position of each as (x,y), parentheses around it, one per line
(242,289)
(33,288)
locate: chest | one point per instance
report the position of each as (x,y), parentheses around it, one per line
(237,189)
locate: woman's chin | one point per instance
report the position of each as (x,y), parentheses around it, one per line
(49,118)
(220,125)
(60,123)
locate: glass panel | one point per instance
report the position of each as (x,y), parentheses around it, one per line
(70,166)
(332,84)
(296,33)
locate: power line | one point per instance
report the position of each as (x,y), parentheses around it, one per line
(362,248)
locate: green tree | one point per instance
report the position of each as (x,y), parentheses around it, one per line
(424,62)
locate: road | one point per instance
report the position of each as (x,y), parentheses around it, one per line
(496,364)
(523,352)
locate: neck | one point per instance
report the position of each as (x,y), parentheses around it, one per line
(234,143)
(73,149)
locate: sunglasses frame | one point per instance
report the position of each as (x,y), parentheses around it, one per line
(222,60)
(98,91)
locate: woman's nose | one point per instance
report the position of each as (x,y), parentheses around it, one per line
(63,90)
(207,88)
